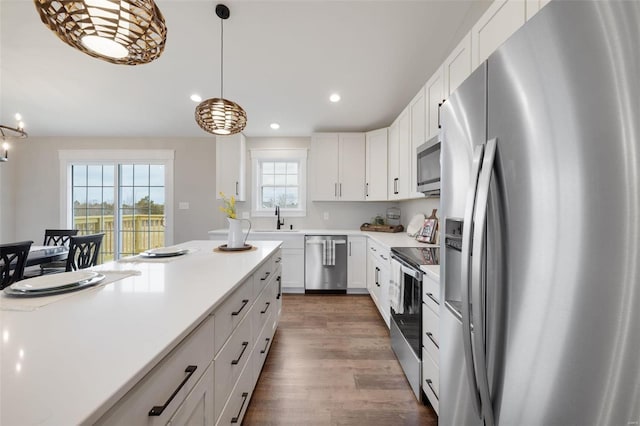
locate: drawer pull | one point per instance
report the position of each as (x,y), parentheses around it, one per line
(266,275)
(430,296)
(430,336)
(265,308)
(158,409)
(278,260)
(265,346)
(279,279)
(430,384)
(244,348)
(244,303)
(244,399)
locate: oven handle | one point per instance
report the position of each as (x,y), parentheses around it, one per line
(409,270)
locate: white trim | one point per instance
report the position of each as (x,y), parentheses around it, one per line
(105,156)
(300,155)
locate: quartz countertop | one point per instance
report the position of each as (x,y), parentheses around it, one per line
(68,362)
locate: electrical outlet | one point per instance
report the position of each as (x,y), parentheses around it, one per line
(326,215)
(183,205)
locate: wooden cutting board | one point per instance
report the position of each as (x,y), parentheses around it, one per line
(381,228)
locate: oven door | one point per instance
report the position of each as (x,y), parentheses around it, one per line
(405,298)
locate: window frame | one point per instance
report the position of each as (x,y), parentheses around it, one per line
(285,155)
(68,158)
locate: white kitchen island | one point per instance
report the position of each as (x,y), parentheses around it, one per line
(75,360)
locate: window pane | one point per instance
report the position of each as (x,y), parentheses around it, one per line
(267,180)
(79,197)
(157,200)
(281,168)
(292,168)
(292,198)
(156,175)
(267,197)
(280,180)
(79,175)
(94,175)
(141,174)
(142,200)
(94,197)
(108,175)
(267,167)
(126,197)
(126,175)
(292,180)
(280,198)
(107,199)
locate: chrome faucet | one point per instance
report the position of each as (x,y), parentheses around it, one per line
(278,223)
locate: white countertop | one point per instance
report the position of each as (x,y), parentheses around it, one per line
(433,271)
(68,362)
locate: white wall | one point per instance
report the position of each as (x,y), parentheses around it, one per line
(37,177)
(425,206)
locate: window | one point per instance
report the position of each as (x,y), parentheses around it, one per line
(279,180)
(127,199)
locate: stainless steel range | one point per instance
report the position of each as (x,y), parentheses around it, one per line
(406,307)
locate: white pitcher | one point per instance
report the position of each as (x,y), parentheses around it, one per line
(236,239)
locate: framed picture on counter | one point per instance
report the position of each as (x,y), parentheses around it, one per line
(428,232)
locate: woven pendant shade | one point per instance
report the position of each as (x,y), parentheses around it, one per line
(128,32)
(220,116)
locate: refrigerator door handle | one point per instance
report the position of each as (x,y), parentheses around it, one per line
(467,234)
(478,289)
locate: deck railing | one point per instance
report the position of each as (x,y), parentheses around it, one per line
(137,233)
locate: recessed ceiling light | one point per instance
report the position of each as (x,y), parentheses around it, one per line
(334,97)
(196,98)
(275,126)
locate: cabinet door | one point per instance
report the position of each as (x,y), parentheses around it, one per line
(357,262)
(404,155)
(197,408)
(497,24)
(292,269)
(394,160)
(418,136)
(230,166)
(324,158)
(434,92)
(385,304)
(457,66)
(376,165)
(351,161)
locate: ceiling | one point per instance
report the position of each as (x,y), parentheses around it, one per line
(282,61)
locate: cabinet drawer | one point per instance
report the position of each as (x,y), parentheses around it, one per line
(265,307)
(236,406)
(231,312)
(263,276)
(431,293)
(430,380)
(197,409)
(431,336)
(263,344)
(156,388)
(230,361)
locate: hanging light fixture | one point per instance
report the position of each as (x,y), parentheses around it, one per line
(8,133)
(128,32)
(221,116)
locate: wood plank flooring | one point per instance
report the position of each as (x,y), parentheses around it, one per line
(331,363)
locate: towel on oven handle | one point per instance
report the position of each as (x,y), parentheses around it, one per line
(396,288)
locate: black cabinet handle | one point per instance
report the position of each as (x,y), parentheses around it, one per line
(278,260)
(265,346)
(237,188)
(439,106)
(430,296)
(158,409)
(244,348)
(430,336)
(244,399)
(266,275)
(279,279)
(430,384)
(244,303)
(265,308)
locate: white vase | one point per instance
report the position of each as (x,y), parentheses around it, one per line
(236,237)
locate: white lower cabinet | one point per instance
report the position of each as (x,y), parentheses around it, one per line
(431,339)
(209,377)
(378,275)
(431,380)
(357,262)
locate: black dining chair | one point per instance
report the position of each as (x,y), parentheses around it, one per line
(13,258)
(56,237)
(83,251)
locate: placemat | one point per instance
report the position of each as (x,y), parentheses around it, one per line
(8,303)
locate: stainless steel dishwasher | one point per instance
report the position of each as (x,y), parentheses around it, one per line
(325,264)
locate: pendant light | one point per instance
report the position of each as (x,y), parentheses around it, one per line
(128,32)
(7,133)
(218,115)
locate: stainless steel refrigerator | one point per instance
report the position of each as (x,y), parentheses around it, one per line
(540,196)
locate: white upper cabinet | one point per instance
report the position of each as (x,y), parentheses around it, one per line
(418,135)
(533,6)
(497,24)
(434,92)
(400,157)
(457,66)
(338,166)
(376,165)
(231,153)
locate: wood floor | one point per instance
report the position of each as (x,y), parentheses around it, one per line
(331,363)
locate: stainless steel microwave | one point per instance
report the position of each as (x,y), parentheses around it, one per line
(428,166)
